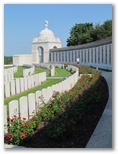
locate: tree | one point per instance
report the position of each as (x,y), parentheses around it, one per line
(85,33)
(7,59)
(79,34)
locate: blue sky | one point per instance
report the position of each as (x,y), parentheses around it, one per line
(23,22)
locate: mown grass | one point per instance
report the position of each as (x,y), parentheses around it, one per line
(61,72)
(46,84)
(39,70)
(19,73)
(5,67)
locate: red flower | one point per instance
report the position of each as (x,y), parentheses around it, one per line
(26,125)
(8,136)
(24,118)
(12,119)
(24,134)
(18,135)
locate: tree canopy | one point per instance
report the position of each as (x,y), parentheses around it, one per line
(86,32)
(7,59)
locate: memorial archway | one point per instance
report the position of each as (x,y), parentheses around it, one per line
(41,54)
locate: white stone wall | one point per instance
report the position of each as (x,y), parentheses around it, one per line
(22,59)
(94,54)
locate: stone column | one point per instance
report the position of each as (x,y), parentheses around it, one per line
(96,55)
(104,54)
(93,55)
(74,61)
(58,57)
(64,56)
(100,54)
(80,58)
(86,56)
(90,55)
(61,57)
(108,54)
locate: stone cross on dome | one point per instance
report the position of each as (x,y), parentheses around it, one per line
(46,24)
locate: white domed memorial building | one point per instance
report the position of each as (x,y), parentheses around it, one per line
(40,48)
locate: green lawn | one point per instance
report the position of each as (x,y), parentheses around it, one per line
(61,72)
(19,73)
(46,84)
(39,70)
(5,67)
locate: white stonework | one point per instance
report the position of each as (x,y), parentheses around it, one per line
(45,42)
(13,109)
(31,103)
(23,107)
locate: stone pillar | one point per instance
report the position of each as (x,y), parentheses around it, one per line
(58,57)
(94,55)
(100,54)
(108,54)
(80,58)
(67,52)
(64,57)
(61,57)
(55,57)
(104,54)
(90,55)
(83,55)
(74,61)
(87,56)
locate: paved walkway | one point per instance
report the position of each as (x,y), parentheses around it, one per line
(102,135)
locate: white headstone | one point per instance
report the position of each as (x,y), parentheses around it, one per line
(13,92)
(29,82)
(32,81)
(44,93)
(31,102)
(17,86)
(13,109)
(23,107)
(7,89)
(25,83)
(21,84)
(38,99)
(37,79)
(5,118)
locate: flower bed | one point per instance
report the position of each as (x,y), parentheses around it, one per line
(62,113)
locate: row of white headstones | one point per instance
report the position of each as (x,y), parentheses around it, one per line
(27,106)
(28,81)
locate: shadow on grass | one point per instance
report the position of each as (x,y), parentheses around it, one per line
(73,127)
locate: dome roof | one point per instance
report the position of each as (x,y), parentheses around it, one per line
(46,33)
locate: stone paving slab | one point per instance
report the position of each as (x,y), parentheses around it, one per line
(102,135)
(6,146)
